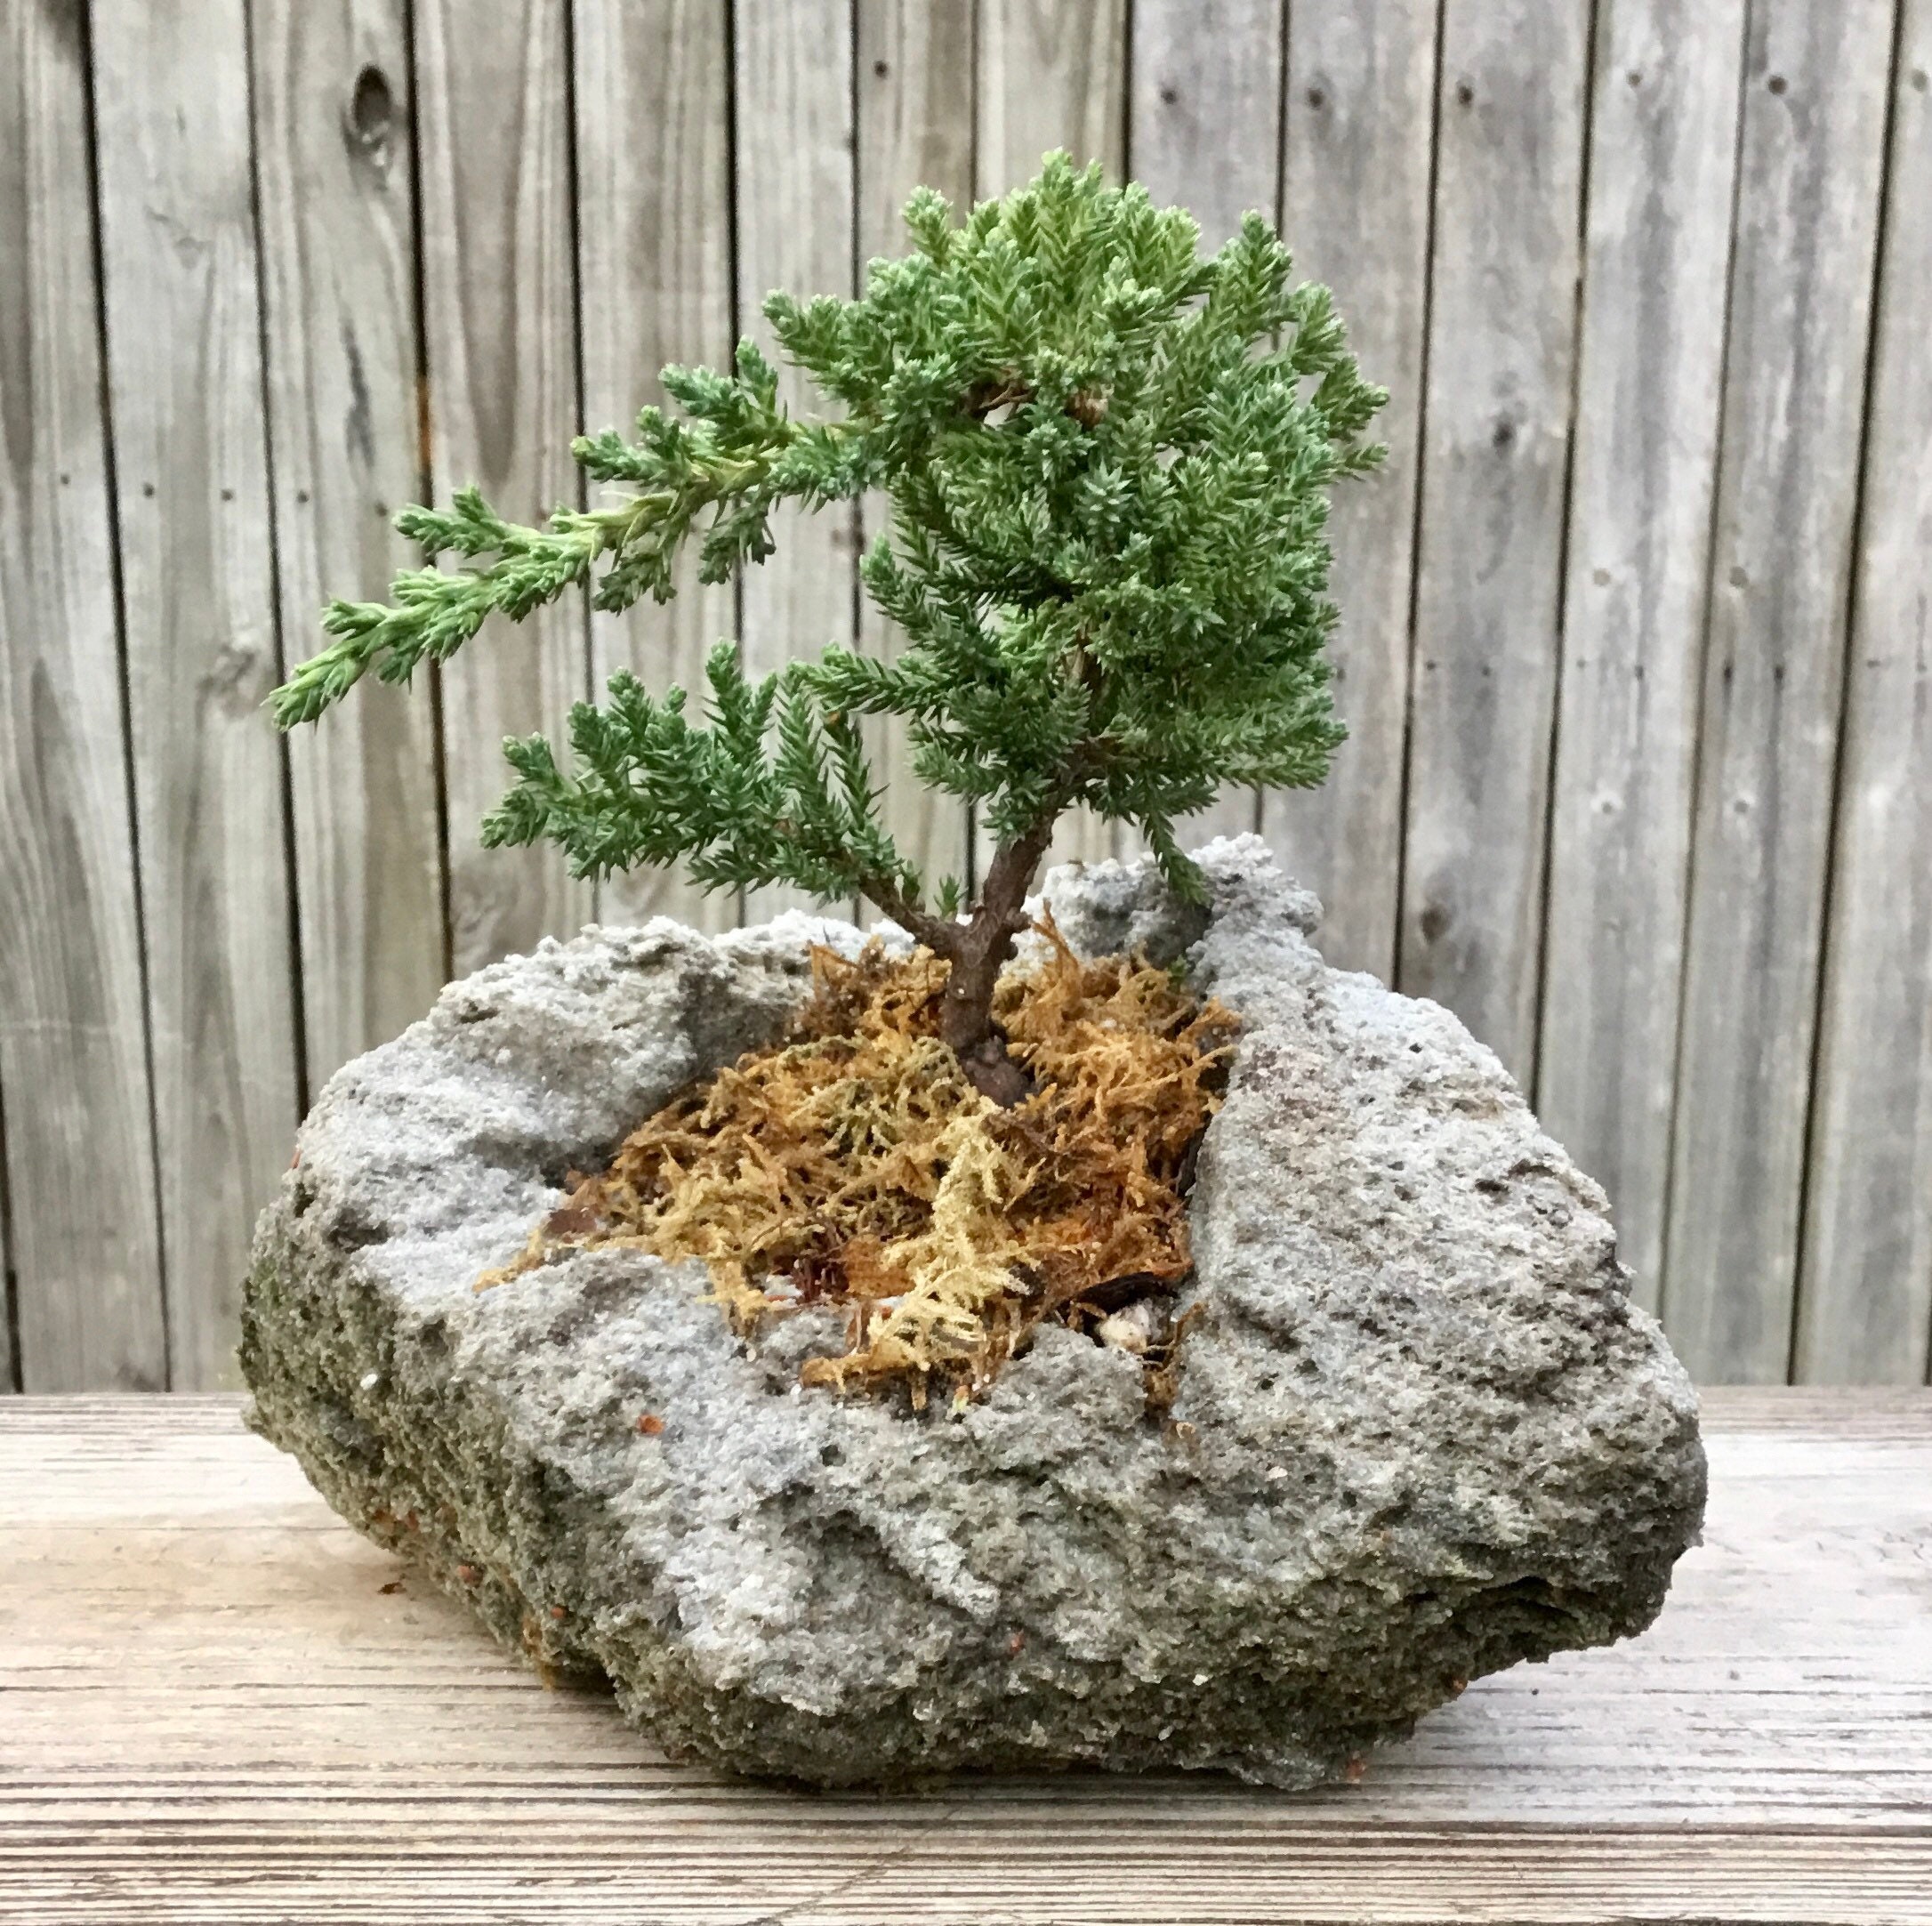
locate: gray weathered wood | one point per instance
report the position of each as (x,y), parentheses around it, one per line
(795,214)
(339,270)
(85,1246)
(1865,1305)
(654,248)
(1205,120)
(1204,132)
(1051,74)
(915,128)
(171,93)
(500,323)
(1496,449)
(1811,157)
(221,1705)
(1695,943)
(1664,163)
(1356,209)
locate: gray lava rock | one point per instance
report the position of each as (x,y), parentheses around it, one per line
(1421,1432)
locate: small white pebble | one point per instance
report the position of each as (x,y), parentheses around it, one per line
(371,1378)
(1132,1329)
(1200,1677)
(1277,1471)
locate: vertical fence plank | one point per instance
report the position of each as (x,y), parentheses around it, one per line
(1356,189)
(795,215)
(1816,84)
(915,128)
(185,380)
(1053,73)
(1204,119)
(654,249)
(1865,1303)
(1204,133)
(499,324)
(1502,338)
(79,1175)
(339,277)
(1664,147)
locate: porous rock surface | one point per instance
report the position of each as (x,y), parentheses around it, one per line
(1421,1432)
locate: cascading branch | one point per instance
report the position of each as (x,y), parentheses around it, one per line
(1109,463)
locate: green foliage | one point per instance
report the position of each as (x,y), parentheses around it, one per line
(650,787)
(1108,464)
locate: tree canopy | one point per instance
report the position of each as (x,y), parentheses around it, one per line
(1109,463)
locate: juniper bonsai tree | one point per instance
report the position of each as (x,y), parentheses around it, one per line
(1108,464)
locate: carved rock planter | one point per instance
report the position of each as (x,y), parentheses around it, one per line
(1421,1432)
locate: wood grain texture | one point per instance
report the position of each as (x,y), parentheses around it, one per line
(915,128)
(796,208)
(184,367)
(1663,134)
(221,1705)
(1204,132)
(1204,118)
(1051,74)
(1810,165)
(653,247)
(1735,997)
(1501,337)
(339,274)
(85,1244)
(1865,1301)
(1356,156)
(500,325)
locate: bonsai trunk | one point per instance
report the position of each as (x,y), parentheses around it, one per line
(977,950)
(966,1016)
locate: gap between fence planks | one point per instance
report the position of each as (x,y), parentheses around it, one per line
(214,1707)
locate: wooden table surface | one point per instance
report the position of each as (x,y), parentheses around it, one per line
(217,1702)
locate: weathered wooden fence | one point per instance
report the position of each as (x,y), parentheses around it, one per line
(1638,618)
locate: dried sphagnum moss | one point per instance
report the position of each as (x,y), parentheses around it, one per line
(854,1165)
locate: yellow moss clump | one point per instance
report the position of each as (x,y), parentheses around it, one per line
(854,1165)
